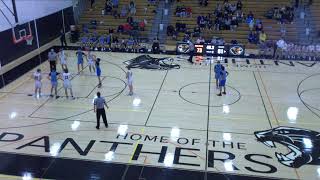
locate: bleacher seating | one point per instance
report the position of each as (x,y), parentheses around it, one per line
(108,21)
(259,8)
(315,13)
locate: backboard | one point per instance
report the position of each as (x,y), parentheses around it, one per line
(21,33)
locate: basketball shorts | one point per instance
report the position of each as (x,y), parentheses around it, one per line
(54,84)
(38,84)
(130,82)
(80,61)
(222,82)
(67,85)
(98,72)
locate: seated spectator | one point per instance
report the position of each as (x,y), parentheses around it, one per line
(109,39)
(217,23)
(202,23)
(93,24)
(156,46)
(142,25)
(107,8)
(251,24)
(239,5)
(130,20)
(181,27)
(227,23)
(234,23)
(124,11)
(189,12)
(115,14)
(111,31)
(234,41)
(170,30)
(85,29)
(262,37)
(259,27)
(209,24)
(251,37)
(120,29)
(127,27)
(220,41)
(130,42)
(115,3)
(200,40)
(132,8)
(250,15)
(196,31)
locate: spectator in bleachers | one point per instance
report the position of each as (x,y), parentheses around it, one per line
(132,8)
(200,40)
(115,3)
(115,14)
(181,27)
(227,23)
(85,29)
(239,5)
(111,31)
(108,8)
(262,37)
(259,26)
(130,20)
(252,38)
(217,23)
(124,11)
(196,31)
(203,3)
(120,29)
(142,25)
(234,23)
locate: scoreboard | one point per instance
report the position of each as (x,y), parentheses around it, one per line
(212,50)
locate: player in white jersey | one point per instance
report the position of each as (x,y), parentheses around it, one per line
(37,82)
(66,77)
(129,77)
(91,58)
(63,59)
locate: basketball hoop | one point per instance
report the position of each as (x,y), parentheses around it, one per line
(29,40)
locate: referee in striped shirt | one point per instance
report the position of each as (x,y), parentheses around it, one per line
(99,104)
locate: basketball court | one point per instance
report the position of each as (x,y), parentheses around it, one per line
(175,125)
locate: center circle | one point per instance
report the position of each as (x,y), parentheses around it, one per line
(308,97)
(197,94)
(308,92)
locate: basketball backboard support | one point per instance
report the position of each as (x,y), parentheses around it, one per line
(21,33)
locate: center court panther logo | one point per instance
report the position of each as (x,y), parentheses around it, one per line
(303,144)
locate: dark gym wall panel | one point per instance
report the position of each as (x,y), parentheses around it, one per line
(49,27)
(68,18)
(10,51)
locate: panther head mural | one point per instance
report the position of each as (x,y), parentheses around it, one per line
(303,145)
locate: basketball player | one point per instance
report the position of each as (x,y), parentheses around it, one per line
(98,71)
(80,55)
(130,81)
(217,70)
(66,77)
(37,82)
(222,80)
(53,77)
(90,59)
(63,59)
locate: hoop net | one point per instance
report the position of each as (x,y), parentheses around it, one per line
(29,40)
